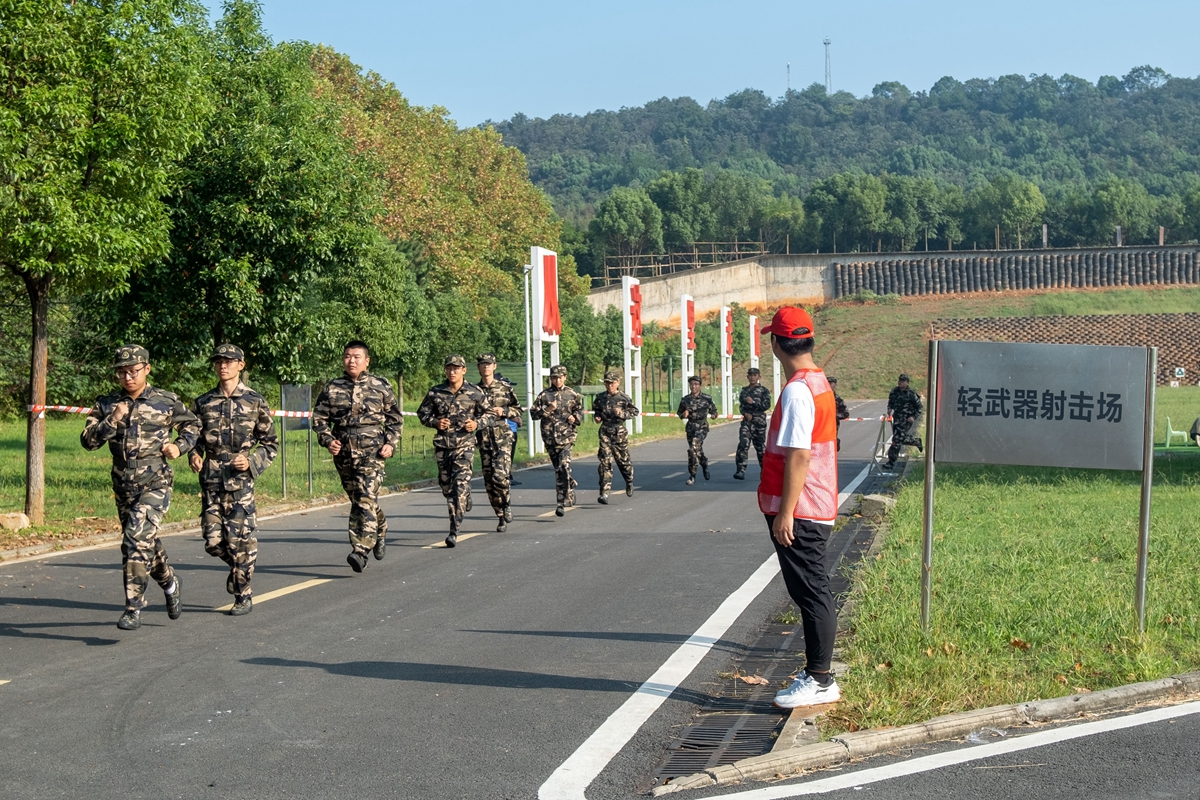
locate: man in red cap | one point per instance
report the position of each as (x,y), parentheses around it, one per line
(798,494)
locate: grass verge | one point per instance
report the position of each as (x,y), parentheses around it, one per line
(79,499)
(1033,584)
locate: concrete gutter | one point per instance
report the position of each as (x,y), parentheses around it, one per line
(847,747)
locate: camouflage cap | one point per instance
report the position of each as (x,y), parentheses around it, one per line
(612,376)
(754,371)
(229,352)
(455,360)
(695,379)
(558,371)
(130,354)
(903,377)
(485,358)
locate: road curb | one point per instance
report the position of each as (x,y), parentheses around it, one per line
(860,744)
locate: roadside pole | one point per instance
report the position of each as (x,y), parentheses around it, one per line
(1143,556)
(931,402)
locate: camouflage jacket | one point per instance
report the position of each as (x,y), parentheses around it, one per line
(468,403)
(904,403)
(500,394)
(362,414)
(755,400)
(136,442)
(699,409)
(613,409)
(240,424)
(556,425)
(842,411)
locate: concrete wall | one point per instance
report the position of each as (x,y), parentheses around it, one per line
(760,284)
(764,283)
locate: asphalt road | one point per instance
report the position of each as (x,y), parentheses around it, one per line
(465,673)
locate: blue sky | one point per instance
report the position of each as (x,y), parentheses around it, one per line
(490,60)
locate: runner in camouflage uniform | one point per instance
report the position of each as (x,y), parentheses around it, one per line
(842,411)
(696,407)
(904,407)
(237,443)
(495,440)
(455,409)
(358,420)
(137,424)
(754,403)
(560,408)
(611,409)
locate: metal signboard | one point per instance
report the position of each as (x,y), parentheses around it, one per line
(1044,405)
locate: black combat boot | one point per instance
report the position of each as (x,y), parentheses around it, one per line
(241,607)
(174,601)
(130,621)
(380,549)
(508,513)
(629,488)
(603,499)
(741,473)
(357,561)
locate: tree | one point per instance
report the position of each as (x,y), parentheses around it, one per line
(100,100)
(850,209)
(1013,203)
(628,223)
(271,203)
(686,214)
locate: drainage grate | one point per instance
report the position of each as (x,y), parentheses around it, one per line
(746,723)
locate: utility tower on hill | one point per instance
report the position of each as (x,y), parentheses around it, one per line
(828,74)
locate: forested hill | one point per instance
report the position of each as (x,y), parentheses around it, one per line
(1061,132)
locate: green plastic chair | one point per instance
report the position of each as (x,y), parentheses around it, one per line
(1173,433)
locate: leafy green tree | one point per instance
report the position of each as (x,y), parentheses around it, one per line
(686,214)
(736,201)
(100,100)
(851,210)
(780,224)
(272,202)
(1116,201)
(1013,203)
(628,222)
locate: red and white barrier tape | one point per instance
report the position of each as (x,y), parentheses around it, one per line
(41,411)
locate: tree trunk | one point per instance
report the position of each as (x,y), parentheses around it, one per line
(35,447)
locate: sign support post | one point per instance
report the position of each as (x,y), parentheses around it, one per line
(931,402)
(631,317)
(546,324)
(529,432)
(687,341)
(1143,555)
(726,361)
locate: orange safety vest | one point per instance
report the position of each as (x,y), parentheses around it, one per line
(818,499)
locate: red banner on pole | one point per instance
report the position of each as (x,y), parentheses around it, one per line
(551,322)
(729,332)
(754,343)
(635,315)
(691,325)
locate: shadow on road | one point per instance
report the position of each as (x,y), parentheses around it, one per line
(22,632)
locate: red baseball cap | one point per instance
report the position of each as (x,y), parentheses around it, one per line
(791,322)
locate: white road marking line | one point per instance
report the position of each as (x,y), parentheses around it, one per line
(732,455)
(571,779)
(672,475)
(462,538)
(940,760)
(4,682)
(296,587)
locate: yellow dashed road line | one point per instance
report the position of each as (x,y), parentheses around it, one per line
(462,538)
(262,598)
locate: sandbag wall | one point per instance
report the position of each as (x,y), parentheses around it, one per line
(969,272)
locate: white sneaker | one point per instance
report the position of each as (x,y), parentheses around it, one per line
(804,691)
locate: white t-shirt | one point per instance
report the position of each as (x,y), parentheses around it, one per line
(799,416)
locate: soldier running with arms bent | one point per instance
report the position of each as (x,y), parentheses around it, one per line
(695,408)
(611,409)
(455,409)
(358,420)
(560,408)
(237,443)
(754,402)
(904,407)
(137,424)
(496,439)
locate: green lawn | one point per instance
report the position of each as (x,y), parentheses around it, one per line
(1033,574)
(78,485)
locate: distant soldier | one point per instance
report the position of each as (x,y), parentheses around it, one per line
(358,420)
(237,443)
(904,407)
(513,425)
(455,409)
(695,408)
(842,411)
(610,410)
(560,408)
(754,402)
(137,424)
(496,438)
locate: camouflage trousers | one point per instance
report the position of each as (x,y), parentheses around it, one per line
(229,521)
(901,436)
(560,459)
(752,431)
(614,446)
(141,510)
(695,440)
(495,453)
(362,476)
(454,478)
